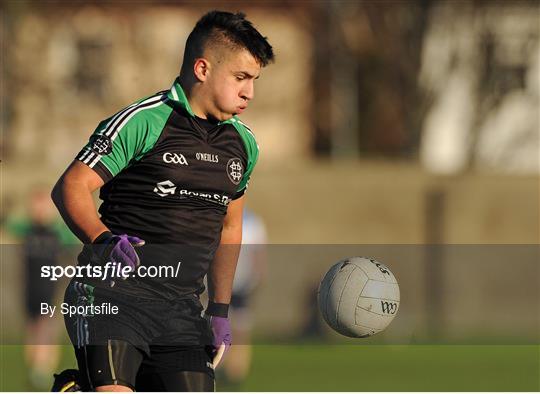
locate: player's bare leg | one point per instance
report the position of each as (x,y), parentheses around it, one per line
(180,381)
(113,388)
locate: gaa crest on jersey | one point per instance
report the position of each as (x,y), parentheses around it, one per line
(235,170)
(102,146)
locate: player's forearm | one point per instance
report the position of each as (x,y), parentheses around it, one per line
(222,269)
(76,206)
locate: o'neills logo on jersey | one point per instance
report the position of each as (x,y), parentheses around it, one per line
(175,158)
(235,170)
(102,146)
(207,157)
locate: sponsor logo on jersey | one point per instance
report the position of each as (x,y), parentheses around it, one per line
(174,158)
(102,145)
(235,170)
(213,197)
(212,158)
(165,188)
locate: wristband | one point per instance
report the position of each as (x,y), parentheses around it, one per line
(104,236)
(217,309)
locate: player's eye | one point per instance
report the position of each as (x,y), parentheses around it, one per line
(240,78)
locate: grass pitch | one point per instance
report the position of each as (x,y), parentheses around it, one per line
(358,368)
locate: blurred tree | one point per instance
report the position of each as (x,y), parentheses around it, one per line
(367,59)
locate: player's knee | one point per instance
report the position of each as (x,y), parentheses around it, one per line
(113,388)
(111,367)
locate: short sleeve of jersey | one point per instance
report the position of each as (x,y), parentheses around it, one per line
(252,150)
(119,140)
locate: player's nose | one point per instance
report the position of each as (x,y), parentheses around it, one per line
(248,92)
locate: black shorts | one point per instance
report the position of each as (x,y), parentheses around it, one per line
(167,368)
(164,335)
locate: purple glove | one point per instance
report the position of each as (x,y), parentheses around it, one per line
(117,249)
(221,330)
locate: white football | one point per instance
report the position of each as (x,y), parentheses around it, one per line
(358,297)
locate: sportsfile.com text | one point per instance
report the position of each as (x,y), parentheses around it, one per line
(110,270)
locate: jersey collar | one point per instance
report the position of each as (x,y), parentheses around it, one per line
(176,95)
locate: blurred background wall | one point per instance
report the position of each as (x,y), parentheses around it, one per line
(403,130)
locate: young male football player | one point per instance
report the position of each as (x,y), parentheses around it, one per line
(172,169)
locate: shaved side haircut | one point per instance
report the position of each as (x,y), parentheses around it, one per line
(219,32)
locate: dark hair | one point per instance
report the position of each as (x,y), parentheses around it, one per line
(227,29)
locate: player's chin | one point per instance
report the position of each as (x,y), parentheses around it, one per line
(229,113)
(227,116)
(223,116)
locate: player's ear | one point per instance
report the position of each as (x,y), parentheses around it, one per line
(200,69)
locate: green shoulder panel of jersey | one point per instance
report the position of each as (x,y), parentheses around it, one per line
(126,136)
(252,149)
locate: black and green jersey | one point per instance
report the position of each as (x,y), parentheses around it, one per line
(168,179)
